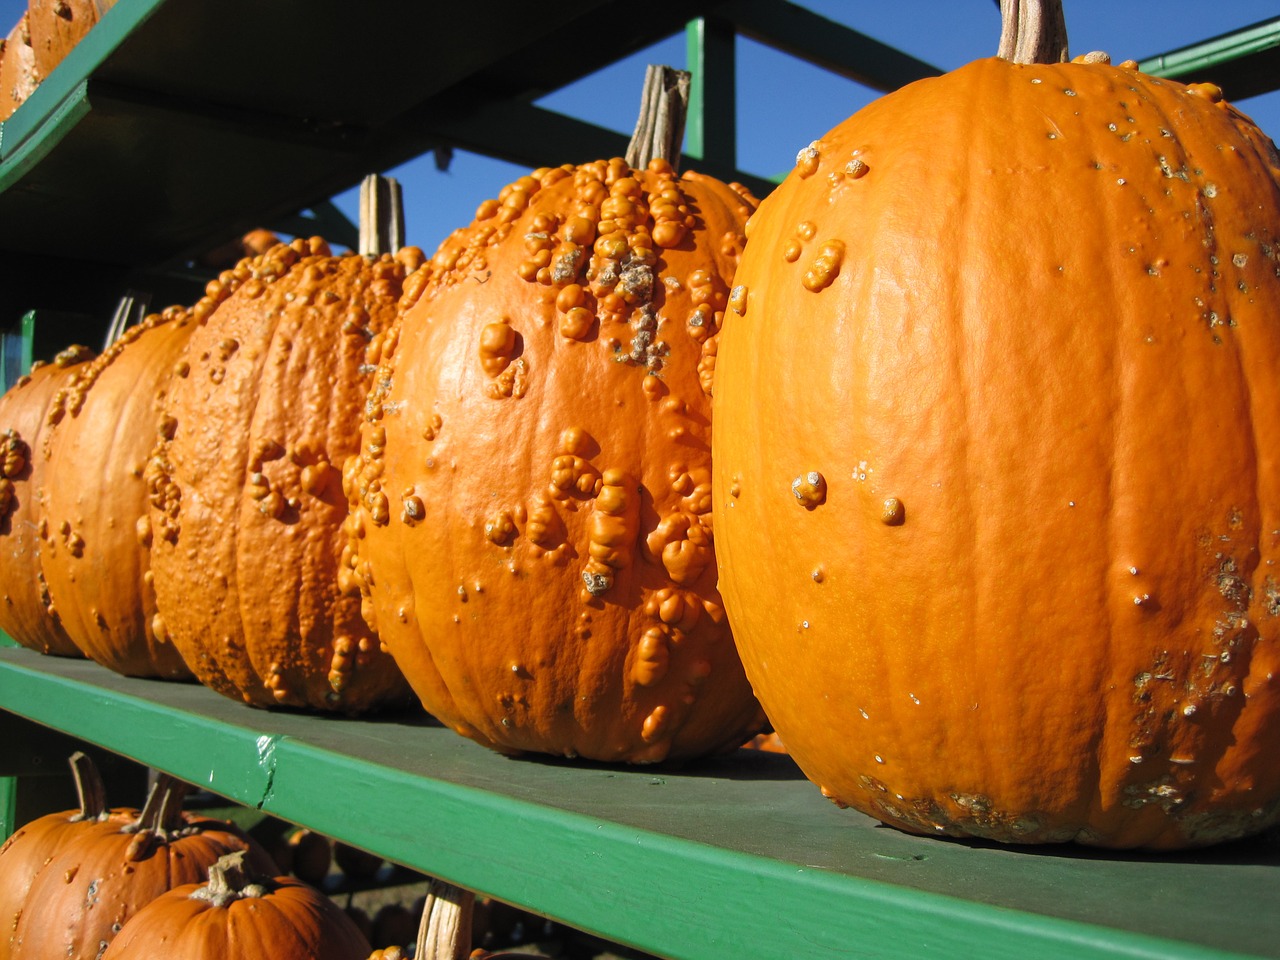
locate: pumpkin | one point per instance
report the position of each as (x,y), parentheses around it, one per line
(88,889)
(237,914)
(995,461)
(58,25)
(246,497)
(18,74)
(96,559)
(25,853)
(26,612)
(531,505)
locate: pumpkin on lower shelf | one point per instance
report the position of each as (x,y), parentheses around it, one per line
(86,891)
(997,491)
(96,559)
(239,915)
(247,508)
(27,613)
(530,505)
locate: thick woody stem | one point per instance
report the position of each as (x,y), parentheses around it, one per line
(89,788)
(230,879)
(445,931)
(1033,31)
(660,127)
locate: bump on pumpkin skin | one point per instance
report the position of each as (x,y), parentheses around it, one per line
(27,612)
(98,575)
(251,507)
(1090,391)
(572,502)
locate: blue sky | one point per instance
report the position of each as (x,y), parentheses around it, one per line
(784,103)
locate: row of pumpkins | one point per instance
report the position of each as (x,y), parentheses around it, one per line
(115,883)
(994,478)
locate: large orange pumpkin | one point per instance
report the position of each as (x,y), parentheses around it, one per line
(998,492)
(26,612)
(239,915)
(96,559)
(531,506)
(246,495)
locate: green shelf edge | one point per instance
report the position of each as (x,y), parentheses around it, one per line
(664,894)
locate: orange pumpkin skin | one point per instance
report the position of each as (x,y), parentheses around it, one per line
(27,613)
(91,887)
(18,74)
(246,494)
(998,529)
(96,559)
(531,506)
(280,918)
(57,26)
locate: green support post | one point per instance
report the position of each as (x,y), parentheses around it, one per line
(711,126)
(8,807)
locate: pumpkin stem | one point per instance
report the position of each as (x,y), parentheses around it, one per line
(1033,31)
(381,216)
(89,788)
(160,818)
(231,878)
(445,931)
(660,127)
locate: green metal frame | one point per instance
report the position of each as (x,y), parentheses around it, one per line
(738,856)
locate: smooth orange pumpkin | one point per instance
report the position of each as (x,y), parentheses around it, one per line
(998,494)
(238,915)
(26,612)
(246,495)
(90,888)
(531,506)
(96,558)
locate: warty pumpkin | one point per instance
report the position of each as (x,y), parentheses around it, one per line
(531,504)
(998,500)
(58,25)
(26,612)
(246,494)
(239,915)
(18,74)
(96,556)
(89,889)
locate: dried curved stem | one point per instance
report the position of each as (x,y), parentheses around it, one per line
(660,126)
(89,787)
(1033,31)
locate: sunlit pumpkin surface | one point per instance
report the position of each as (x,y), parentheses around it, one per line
(27,613)
(997,491)
(95,558)
(531,507)
(245,487)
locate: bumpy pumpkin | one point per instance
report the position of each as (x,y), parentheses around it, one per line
(96,559)
(531,506)
(237,914)
(26,612)
(58,25)
(18,74)
(88,889)
(246,495)
(997,495)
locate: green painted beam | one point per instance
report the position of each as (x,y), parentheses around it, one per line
(793,29)
(1244,62)
(711,129)
(736,856)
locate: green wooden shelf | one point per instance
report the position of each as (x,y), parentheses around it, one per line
(737,856)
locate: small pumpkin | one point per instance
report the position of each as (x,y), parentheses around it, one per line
(246,497)
(26,852)
(531,504)
(238,915)
(27,613)
(997,496)
(88,889)
(96,558)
